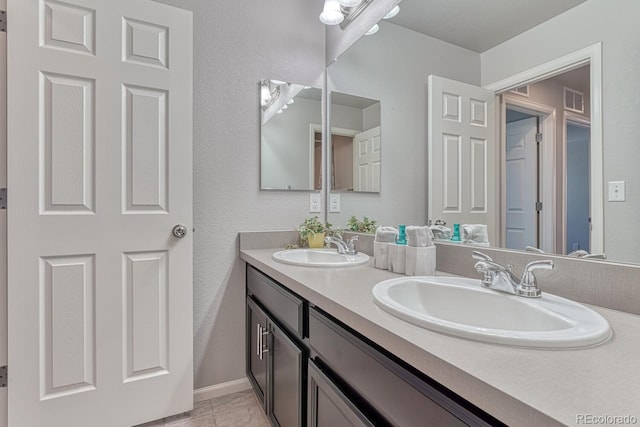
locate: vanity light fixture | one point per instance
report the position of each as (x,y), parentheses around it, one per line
(331,13)
(342,12)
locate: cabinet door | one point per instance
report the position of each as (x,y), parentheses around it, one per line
(328,406)
(286,369)
(257,335)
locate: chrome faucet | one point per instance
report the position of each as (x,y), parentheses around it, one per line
(345,248)
(501,278)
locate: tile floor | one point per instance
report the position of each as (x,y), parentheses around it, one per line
(234,410)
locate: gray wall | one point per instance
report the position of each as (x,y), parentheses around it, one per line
(235,44)
(370,69)
(615,24)
(286,144)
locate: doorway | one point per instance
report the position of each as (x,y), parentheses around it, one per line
(577,217)
(551,97)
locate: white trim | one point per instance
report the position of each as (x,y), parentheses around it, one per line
(591,55)
(579,119)
(4,392)
(547,182)
(217,390)
(313,128)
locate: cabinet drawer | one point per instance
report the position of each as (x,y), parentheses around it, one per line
(281,304)
(397,395)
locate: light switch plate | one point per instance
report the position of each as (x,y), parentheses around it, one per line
(616,191)
(315,203)
(334,202)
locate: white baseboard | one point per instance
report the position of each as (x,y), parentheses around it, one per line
(217,390)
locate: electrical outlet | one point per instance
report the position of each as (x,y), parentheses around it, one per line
(315,203)
(334,203)
(616,191)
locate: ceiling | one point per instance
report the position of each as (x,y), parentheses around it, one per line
(478,25)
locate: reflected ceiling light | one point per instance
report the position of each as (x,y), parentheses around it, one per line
(284,107)
(373,30)
(349,3)
(291,101)
(280,112)
(269,92)
(331,13)
(393,12)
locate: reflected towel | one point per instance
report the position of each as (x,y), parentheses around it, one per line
(440,232)
(475,233)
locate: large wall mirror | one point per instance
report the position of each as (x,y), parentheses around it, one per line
(290,137)
(564,167)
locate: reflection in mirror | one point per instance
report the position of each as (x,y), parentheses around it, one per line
(355,143)
(290,153)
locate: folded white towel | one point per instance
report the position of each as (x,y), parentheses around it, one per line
(421,261)
(386,234)
(381,255)
(419,236)
(475,233)
(397,258)
(440,232)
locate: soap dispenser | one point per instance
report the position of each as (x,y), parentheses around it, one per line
(398,252)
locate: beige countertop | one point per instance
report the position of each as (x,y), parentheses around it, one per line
(519,386)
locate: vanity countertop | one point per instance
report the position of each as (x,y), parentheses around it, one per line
(516,385)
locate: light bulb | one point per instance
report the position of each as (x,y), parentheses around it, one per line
(349,3)
(265,96)
(279,111)
(291,101)
(393,12)
(278,82)
(284,107)
(373,30)
(331,14)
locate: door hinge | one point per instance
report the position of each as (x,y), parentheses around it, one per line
(3,21)
(3,376)
(3,198)
(538,137)
(538,206)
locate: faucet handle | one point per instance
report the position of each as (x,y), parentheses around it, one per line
(351,245)
(528,283)
(480,256)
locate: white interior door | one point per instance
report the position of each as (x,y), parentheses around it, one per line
(463,154)
(366,160)
(99,172)
(521,184)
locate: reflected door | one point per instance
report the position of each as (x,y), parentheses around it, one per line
(366,161)
(100,171)
(522,184)
(462,154)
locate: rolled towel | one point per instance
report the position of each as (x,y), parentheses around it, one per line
(386,234)
(419,236)
(421,261)
(475,233)
(440,232)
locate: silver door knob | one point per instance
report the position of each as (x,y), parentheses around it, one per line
(179,231)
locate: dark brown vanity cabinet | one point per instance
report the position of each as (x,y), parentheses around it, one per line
(276,359)
(310,370)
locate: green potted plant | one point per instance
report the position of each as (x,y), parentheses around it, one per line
(365,226)
(312,232)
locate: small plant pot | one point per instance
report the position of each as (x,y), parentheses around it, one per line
(316,241)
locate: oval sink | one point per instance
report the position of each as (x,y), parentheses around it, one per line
(461,307)
(319,258)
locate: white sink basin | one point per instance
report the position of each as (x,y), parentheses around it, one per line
(319,258)
(461,307)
